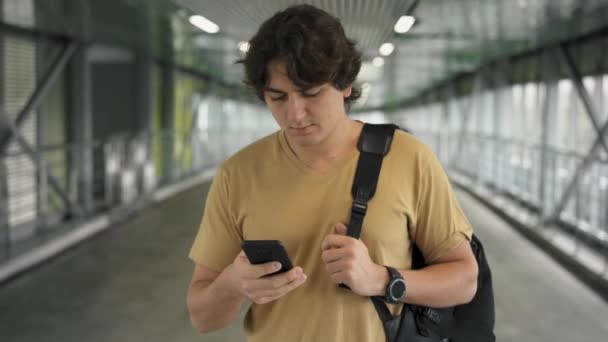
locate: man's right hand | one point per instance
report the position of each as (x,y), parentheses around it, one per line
(251,282)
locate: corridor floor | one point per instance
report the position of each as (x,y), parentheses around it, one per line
(129,284)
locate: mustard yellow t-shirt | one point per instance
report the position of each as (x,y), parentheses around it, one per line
(265,192)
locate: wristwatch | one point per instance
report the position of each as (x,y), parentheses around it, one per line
(395,290)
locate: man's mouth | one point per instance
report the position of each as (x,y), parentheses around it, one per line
(302,130)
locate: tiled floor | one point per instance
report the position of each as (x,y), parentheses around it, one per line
(129,284)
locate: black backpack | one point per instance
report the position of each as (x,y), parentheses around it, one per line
(472,322)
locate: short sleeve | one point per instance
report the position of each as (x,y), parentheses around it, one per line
(440,222)
(218,239)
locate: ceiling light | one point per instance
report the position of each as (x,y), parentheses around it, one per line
(204,24)
(386,49)
(244,47)
(378,62)
(404,24)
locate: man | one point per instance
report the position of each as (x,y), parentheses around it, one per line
(294,186)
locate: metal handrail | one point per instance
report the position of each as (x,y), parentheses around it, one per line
(125,174)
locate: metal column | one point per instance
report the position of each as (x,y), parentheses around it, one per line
(81,156)
(550,75)
(168,102)
(444,127)
(42,193)
(143,74)
(466,109)
(4,231)
(500,83)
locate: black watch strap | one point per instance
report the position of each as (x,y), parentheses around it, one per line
(393,273)
(396,283)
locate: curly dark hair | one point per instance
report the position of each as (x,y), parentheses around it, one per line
(314,47)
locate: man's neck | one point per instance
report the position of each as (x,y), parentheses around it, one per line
(338,145)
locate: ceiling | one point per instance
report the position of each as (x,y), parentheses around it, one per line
(450,36)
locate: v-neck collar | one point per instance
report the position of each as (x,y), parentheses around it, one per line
(310,172)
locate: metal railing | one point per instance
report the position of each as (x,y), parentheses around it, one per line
(125,171)
(511,175)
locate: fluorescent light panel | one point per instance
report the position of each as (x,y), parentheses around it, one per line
(386,49)
(204,24)
(378,62)
(244,47)
(404,24)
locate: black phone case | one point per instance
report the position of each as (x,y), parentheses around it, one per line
(263,251)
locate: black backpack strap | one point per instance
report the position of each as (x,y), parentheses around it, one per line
(389,322)
(382,309)
(374,143)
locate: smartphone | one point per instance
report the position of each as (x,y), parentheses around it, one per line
(263,251)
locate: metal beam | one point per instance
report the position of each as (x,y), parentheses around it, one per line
(579,171)
(53,182)
(412,36)
(514,58)
(33,33)
(590,108)
(39,93)
(412,7)
(600,141)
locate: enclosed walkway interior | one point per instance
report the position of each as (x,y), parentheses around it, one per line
(115,114)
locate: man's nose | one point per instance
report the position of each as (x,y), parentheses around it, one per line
(296,109)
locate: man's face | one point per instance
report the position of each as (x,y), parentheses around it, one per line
(308,116)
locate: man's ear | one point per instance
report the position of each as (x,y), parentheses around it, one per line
(348,91)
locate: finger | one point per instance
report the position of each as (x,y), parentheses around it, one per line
(334,241)
(279,280)
(332,255)
(265,295)
(280,290)
(261,270)
(276,281)
(292,285)
(263,300)
(335,267)
(242,257)
(341,228)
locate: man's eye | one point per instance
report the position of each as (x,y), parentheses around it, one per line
(278,98)
(311,94)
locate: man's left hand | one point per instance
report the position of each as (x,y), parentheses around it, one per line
(348,262)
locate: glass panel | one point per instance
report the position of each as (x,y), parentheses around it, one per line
(20,80)
(18,12)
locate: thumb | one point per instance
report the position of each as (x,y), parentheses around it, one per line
(341,228)
(242,256)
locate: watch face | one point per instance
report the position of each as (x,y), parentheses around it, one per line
(397,289)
